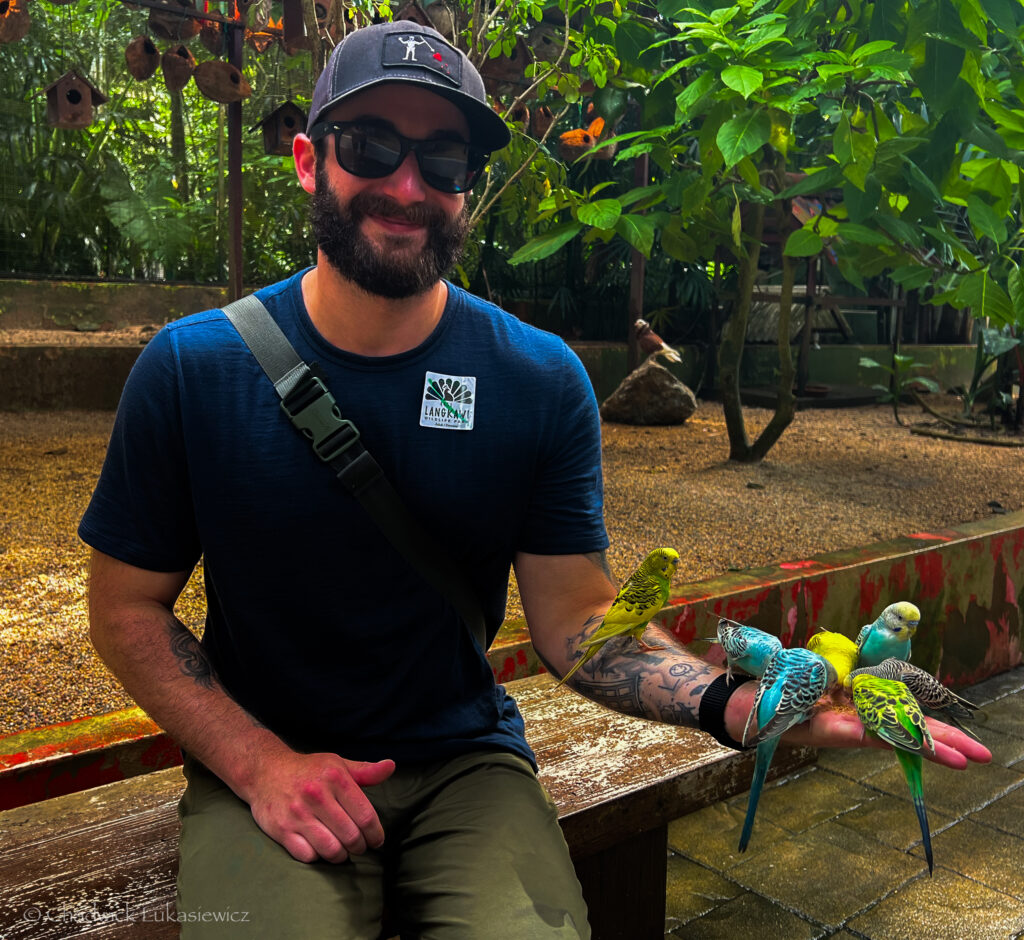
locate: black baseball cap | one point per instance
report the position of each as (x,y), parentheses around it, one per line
(408,53)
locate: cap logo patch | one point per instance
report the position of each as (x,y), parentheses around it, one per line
(408,50)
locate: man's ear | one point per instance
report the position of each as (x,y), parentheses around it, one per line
(305,162)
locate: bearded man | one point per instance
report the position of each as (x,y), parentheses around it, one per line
(348,754)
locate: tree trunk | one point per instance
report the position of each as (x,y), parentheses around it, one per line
(730,350)
(179,153)
(785,403)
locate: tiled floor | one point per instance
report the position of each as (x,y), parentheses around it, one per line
(836,849)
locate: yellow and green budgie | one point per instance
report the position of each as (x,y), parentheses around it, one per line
(838,649)
(890,712)
(639,599)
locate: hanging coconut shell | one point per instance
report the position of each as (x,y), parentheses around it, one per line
(574,144)
(168,24)
(541,120)
(178,65)
(221,81)
(520,115)
(507,70)
(14,20)
(143,57)
(261,39)
(211,35)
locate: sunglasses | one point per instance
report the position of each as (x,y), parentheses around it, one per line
(373,151)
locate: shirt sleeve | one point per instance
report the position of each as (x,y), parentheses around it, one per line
(141,511)
(565,515)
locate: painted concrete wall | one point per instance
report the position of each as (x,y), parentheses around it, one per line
(967,581)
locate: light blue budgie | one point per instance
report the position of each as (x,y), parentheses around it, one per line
(793,681)
(890,635)
(746,648)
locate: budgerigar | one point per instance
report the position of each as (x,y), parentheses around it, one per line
(890,712)
(793,681)
(639,599)
(928,691)
(890,635)
(746,648)
(838,649)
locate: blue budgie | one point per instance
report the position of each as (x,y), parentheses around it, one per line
(890,635)
(746,648)
(793,681)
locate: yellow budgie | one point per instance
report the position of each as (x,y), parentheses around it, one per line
(639,599)
(838,649)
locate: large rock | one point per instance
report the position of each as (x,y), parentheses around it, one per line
(649,395)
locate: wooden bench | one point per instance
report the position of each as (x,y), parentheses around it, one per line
(103,861)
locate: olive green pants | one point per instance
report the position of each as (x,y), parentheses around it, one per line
(472,850)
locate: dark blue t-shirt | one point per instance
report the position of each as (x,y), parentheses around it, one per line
(489,431)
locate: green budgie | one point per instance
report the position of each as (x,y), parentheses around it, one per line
(890,635)
(929,692)
(746,648)
(793,681)
(638,600)
(891,713)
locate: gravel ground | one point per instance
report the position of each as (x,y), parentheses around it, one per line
(837,479)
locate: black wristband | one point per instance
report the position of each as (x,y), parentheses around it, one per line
(711,714)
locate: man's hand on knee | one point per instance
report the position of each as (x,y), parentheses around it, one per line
(314,805)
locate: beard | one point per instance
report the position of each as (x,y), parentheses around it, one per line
(392,269)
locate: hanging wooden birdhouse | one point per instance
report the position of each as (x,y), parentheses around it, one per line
(143,58)
(14,20)
(280,127)
(221,81)
(178,64)
(167,23)
(71,101)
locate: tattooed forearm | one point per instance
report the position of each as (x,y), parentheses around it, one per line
(192,659)
(664,685)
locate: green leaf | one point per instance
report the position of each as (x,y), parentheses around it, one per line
(743,79)
(603,213)
(541,246)
(816,183)
(692,93)
(985,298)
(803,243)
(743,135)
(1015,283)
(985,220)
(912,276)
(862,235)
(638,230)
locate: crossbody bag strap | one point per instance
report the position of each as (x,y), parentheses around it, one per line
(309,405)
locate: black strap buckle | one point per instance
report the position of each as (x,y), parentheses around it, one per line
(313,410)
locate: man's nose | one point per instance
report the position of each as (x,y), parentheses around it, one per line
(405,183)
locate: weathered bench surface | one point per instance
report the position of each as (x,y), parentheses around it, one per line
(102,862)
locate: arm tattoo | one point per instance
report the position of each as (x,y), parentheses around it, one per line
(663,685)
(192,659)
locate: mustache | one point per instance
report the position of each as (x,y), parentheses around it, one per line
(370,203)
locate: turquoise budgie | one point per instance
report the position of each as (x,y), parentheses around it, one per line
(929,692)
(639,599)
(891,713)
(890,635)
(746,648)
(793,681)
